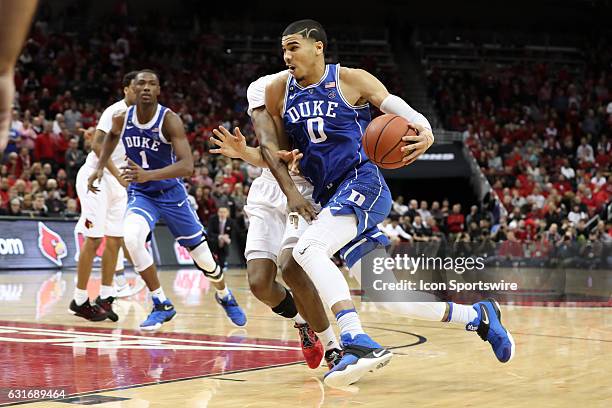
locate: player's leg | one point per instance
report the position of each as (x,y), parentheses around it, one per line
(306,297)
(204,260)
(142,214)
(80,305)
(309,305)
(185,225)
(91,225)
(123,288)
(109,262)
(483,317)
(267,211)
(115,212)
(325,236)
(261,274)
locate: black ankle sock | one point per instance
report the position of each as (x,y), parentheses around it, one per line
(286,308)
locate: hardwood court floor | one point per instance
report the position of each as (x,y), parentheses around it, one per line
(200,360)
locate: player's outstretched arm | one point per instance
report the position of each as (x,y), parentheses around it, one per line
(183,167)
(234,146)
(96,146)
(368,88)
(16,18)
(108,146)
(268,125)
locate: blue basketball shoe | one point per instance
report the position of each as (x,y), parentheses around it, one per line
(162,312)
(361,355)
(489,327)
(232,310)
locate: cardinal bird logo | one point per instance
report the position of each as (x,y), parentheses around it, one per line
(51,245)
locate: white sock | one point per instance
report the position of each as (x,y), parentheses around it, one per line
(80,296)
(299,319)
(106,292)
(159,294)
(222,293)
(349,322)
(328,339)
(120,280)
(463,314)
(431,311)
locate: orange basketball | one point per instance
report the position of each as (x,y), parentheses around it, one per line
(382,140)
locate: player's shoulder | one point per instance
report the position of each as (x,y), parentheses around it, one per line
(264,80)
(119,114)
(352,74)
(171,118)
(119,106)
(171,115)
(278,81)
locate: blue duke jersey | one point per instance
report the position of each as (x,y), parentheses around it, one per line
(146,145)
(327,129)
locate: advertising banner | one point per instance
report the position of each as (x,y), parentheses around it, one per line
(54,244)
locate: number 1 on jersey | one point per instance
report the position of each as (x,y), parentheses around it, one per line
(143,156)
(320,135)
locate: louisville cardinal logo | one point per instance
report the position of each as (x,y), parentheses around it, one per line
(51,245)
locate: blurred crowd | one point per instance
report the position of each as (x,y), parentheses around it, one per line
(540,132)
(541,136)
(64,81)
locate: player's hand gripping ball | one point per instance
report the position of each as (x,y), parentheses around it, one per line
(382,140)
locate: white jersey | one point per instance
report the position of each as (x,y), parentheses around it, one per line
(256,92)
(256,95)
(269,230)
(105,125)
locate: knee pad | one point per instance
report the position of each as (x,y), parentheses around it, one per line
(204,260)
(308,247)
(135,241)
(325,236)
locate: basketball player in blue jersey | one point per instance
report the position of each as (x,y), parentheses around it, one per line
(159,155)
(324,110)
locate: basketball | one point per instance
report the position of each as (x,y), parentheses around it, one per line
(382,140)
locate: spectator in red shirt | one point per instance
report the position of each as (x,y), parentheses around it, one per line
(61,146)
(229,177)
(89,116)
(206,204)
(14,167)
(456,221)
(44,150)
(4,195)
(237,171)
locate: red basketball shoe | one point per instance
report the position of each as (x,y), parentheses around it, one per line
(311,345)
